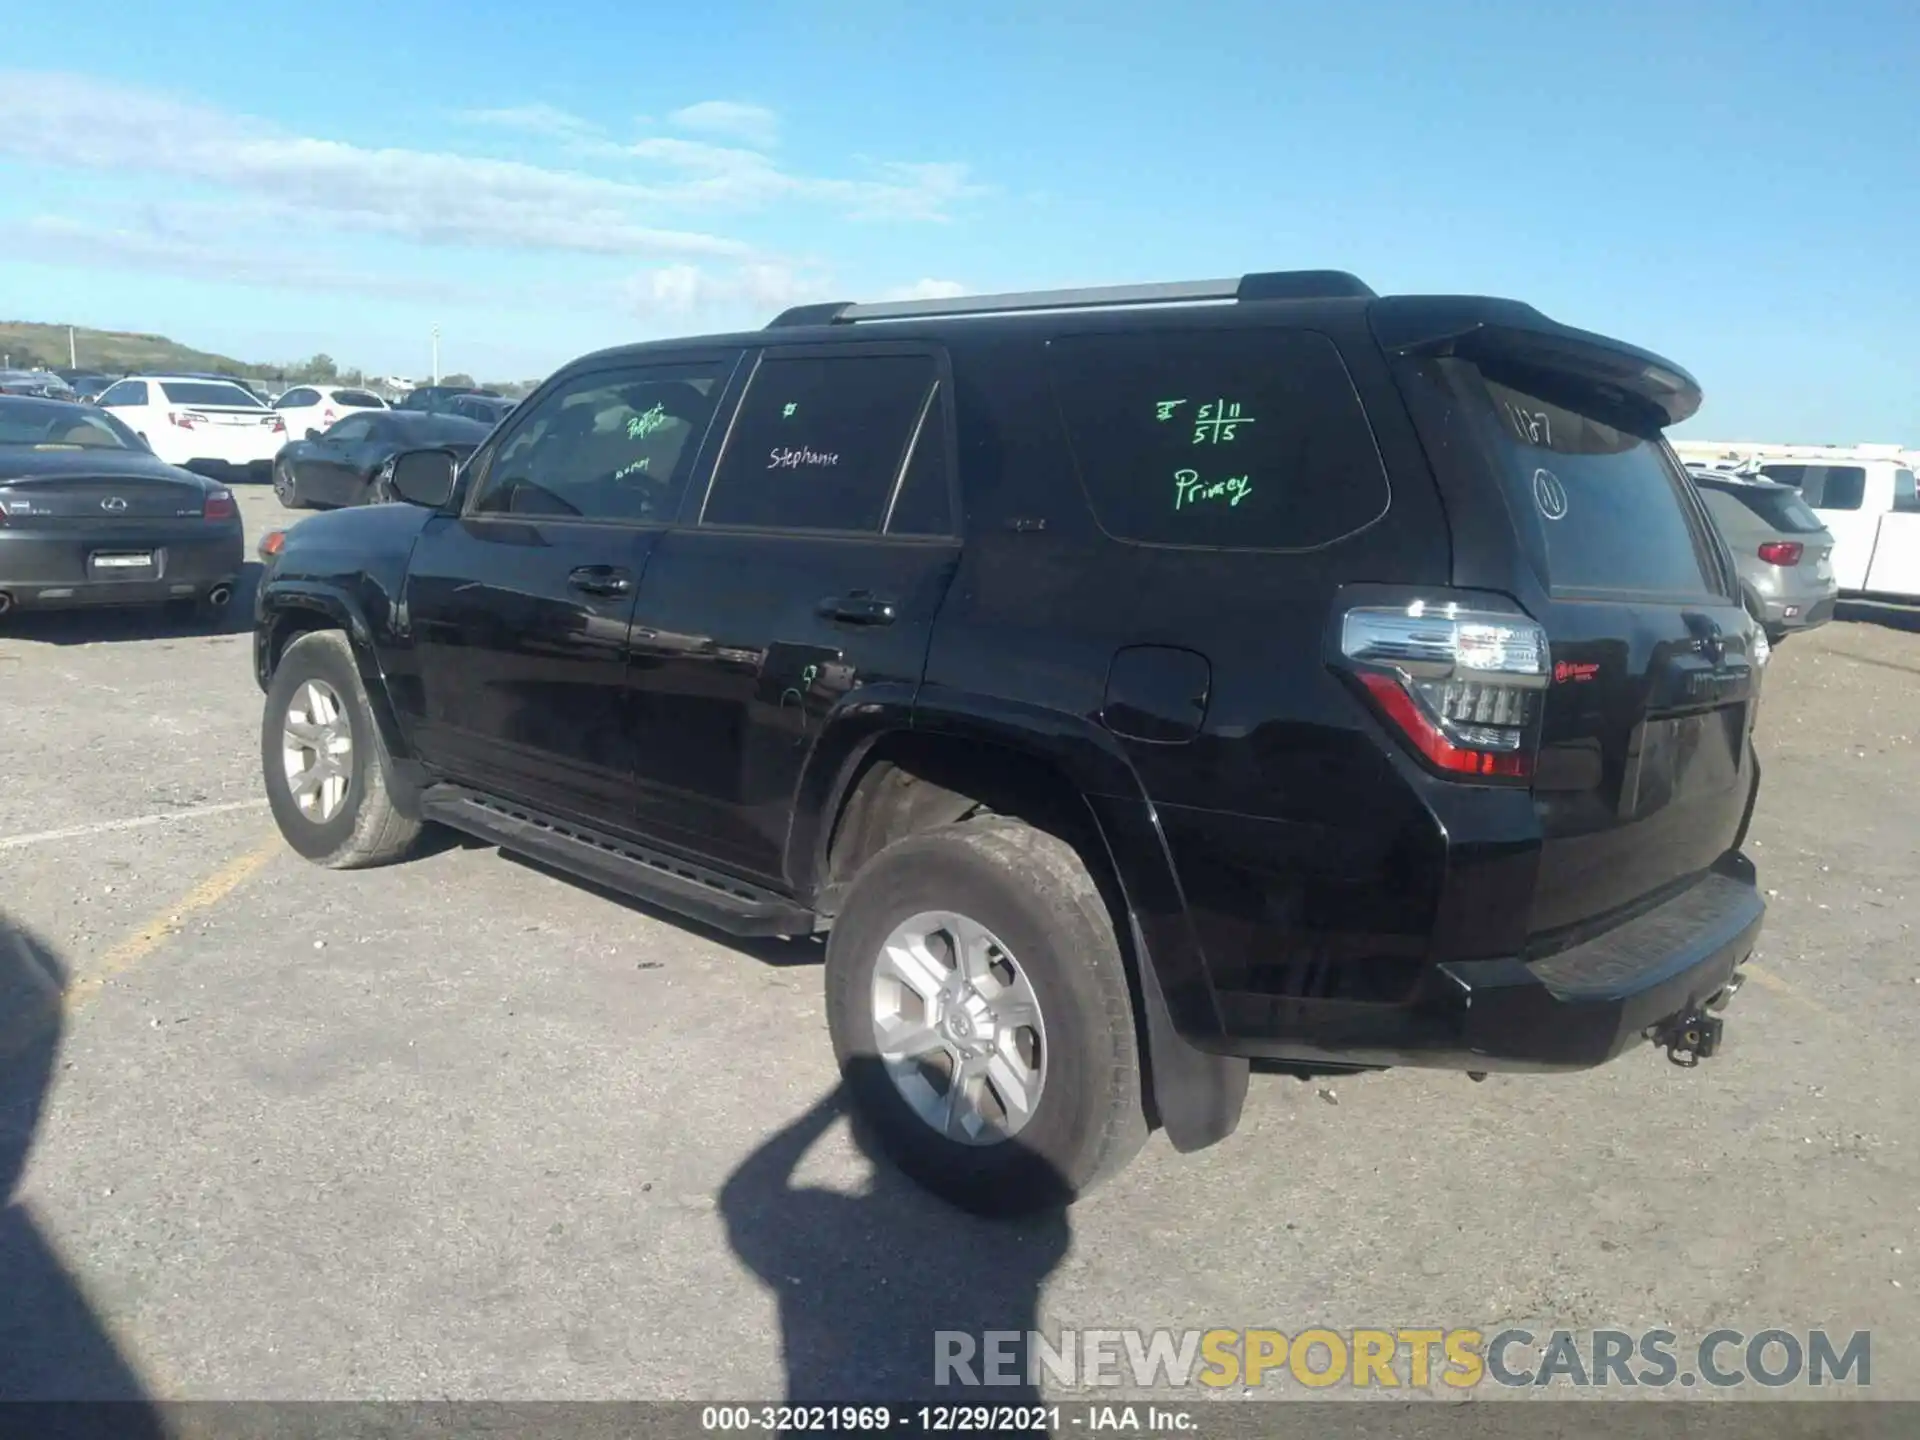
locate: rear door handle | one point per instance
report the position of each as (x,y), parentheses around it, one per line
(856,609)
(601,580)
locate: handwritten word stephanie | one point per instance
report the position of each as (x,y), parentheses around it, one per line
(779,459)
(1190,489)
(641,426)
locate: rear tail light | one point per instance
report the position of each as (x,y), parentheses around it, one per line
(185,419)
(1782,552)
(277,424)
(219,506)
(1461,686)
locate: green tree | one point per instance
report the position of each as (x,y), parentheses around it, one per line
(459,377)
(321,370)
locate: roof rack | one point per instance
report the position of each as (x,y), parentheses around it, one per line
(1261,285)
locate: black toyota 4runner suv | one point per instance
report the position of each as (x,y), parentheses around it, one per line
(1137,685)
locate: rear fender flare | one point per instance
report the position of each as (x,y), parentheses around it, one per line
(1196,1094)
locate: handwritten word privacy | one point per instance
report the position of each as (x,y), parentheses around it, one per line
(1190,489)
(780,458)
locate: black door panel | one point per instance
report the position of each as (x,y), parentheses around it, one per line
(522,673)
(519,609)
(735,668)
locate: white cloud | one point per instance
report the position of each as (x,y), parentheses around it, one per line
(165,248)
(310,183)
(756,291)
(539,118)
(734,119)
(927,290)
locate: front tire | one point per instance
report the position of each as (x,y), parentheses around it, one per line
(981,1016)
(326,771)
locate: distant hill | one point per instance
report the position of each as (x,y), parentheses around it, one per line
(27,345)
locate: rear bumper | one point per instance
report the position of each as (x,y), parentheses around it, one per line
(53,570)
(1571,1010)
(1799,612)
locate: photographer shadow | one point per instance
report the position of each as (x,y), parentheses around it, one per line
(53,1348)
(868,1283)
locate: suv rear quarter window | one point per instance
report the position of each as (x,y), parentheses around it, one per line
(1229,438)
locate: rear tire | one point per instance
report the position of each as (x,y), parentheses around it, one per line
(1030,895)
(326,770)
(283,488)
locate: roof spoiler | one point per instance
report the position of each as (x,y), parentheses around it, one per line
(1260,285)
(1475,328)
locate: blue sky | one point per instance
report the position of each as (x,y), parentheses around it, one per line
(1736,185)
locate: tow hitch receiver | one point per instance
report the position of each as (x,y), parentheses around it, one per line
(1691,1038)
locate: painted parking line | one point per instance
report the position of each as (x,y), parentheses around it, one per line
(26,1029)
(1769,981)
(137,822)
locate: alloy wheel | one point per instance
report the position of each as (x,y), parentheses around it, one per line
(316,746)
(958,1028)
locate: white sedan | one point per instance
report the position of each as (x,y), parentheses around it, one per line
(316,407)
(190,422)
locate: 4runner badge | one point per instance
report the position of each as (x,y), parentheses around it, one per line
(1565,670)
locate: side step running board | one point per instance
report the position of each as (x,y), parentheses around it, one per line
(693,890)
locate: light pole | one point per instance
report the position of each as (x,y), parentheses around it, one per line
(436,354)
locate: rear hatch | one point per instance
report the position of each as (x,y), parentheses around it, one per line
(1644,768)
(1796,540)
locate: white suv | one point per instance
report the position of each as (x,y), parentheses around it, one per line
(190,422)
(315,407)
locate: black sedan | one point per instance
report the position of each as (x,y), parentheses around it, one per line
(89,516)
(340,467)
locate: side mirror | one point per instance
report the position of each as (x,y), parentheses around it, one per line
(312,434)
(423,477)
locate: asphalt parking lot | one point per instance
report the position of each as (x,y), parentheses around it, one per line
(462,1128)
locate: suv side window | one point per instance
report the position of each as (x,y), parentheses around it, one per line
(924,505)
(127,392)
(1905,498)
(820,442)
(1835,487)
(1236,439)
(607,445)
(297,399)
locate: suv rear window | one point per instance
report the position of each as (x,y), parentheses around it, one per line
(1614,512)
(1227,439)
(1781,510)
(362,398)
